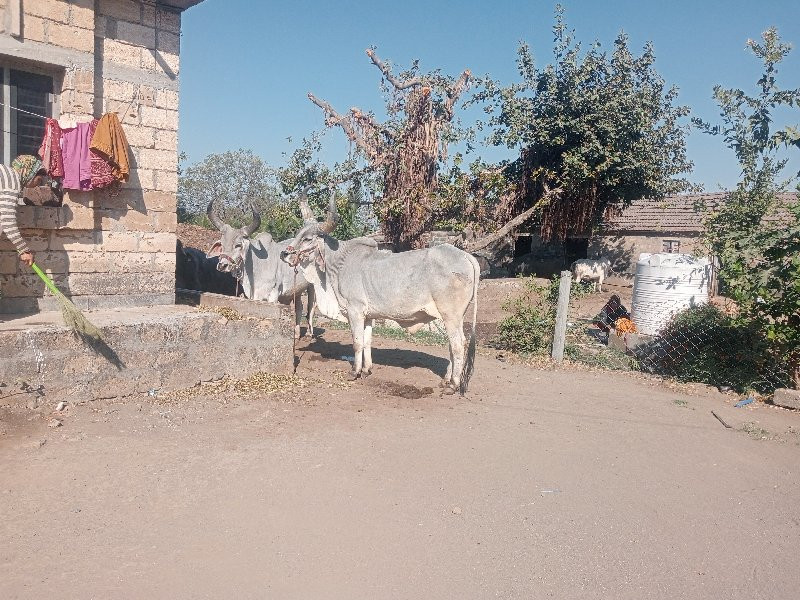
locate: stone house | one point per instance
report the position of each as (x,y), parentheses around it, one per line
(672,224)
(79,59)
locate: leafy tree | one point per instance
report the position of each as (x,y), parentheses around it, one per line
(756,237)
(238,180)
(233,180)
(592,128)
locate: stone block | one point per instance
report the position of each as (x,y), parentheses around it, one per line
(160,201)
(787,398)
(167,99)
(127,10)
(143,179)
(166,140)
(67,36)
(122,241)
(135,34)
(166,222)
(77,103)
(169,43)
(157,242)
(70,240)
(133,262)
(123,54)
(163,160)
(114,89)
(160,118)
(85,284)
(169,20)
(159,61)
(80,80)
(126,220)
(9,264)
(140,136)
(81,13)
(33,29)
(167,181)
(48,9)
(95,261)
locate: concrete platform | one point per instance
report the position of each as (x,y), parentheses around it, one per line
(154,348)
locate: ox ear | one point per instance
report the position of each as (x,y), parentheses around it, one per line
(215,250)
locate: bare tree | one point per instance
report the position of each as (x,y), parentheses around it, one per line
(408,148)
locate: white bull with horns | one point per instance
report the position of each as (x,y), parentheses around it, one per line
(353,280)
(256,263)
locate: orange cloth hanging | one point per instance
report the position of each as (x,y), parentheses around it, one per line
(110,142)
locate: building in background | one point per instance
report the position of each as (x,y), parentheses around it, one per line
(78,60)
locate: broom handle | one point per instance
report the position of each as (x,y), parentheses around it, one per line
(48,282)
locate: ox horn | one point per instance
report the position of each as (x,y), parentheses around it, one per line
(305,209)
(253,227)
(212,216)
(333,216)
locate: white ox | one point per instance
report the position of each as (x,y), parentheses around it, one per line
(591,270)
(256,264)
(353,280)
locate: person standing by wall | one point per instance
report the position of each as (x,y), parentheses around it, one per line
(25,171)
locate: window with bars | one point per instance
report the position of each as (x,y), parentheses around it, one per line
(26,98)
(671,246)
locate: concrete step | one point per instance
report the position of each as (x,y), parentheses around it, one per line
(155,348)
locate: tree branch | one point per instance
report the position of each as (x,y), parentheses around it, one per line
(333,118)
(398,85)
(454,92)
(512,224)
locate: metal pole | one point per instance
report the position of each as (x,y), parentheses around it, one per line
(562,311)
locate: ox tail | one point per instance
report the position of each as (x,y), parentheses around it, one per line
(469,358)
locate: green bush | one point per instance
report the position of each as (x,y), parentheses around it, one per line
(529,327)
(705,345)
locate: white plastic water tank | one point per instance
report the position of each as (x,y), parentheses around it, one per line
(666,284)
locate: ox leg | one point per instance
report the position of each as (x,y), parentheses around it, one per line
(298,315)
(455,331)
(312,306)
(357,329)
(367,369)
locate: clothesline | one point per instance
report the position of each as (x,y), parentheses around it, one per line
(27,112)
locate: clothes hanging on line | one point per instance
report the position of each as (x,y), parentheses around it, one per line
(50,150)
(102,170)
(77,162)
(110,142)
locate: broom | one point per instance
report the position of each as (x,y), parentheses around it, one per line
(73,317)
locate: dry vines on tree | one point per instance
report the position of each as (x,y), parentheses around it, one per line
(408,152)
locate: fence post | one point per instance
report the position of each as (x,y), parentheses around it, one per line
(562,311)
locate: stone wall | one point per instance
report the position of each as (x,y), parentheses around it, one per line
(624,250)
(105,248)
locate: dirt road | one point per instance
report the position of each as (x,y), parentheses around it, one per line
(537,484)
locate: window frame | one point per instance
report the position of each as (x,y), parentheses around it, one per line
(671,246)
(8,125)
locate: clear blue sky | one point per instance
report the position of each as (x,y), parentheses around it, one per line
(246,65)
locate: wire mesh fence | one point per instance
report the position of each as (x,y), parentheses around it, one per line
(702,343)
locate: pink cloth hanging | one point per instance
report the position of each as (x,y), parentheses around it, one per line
(77,161)
(50,150)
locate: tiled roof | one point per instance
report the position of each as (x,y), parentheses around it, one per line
(674,214)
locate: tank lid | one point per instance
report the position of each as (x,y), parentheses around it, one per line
(671,259)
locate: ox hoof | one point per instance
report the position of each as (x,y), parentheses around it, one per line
(366,372)
(444,383)
(449,390)
(354,375)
